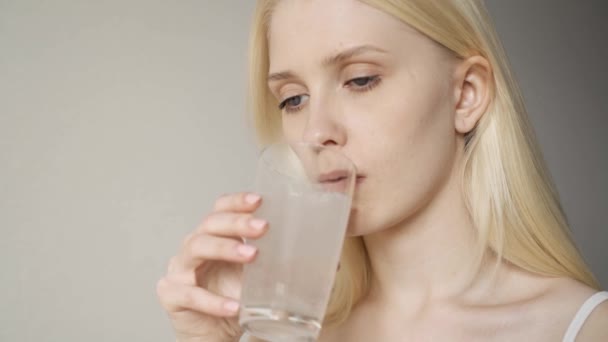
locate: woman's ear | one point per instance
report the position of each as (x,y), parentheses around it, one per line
(473,84)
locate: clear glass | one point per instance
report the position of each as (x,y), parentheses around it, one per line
(307,192)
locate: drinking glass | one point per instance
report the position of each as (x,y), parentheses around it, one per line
(306,192)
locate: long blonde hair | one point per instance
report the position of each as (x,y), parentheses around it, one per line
(508,189)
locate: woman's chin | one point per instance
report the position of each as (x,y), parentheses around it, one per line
(356,227)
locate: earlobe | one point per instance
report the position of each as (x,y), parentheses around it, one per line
(473,92)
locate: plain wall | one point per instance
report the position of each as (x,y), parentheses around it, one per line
(122,121)
(559,52)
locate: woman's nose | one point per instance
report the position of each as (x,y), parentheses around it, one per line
(324,128)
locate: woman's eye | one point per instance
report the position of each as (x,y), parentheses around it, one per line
(363,83)
(292,104)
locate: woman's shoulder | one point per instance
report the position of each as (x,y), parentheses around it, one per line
(579,305)
(525,307)
(595,327)
(567,289)
(543,307)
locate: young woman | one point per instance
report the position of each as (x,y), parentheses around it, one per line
(456,232)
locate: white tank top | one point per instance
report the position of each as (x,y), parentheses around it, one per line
(583,313)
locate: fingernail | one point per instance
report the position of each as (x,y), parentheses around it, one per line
(231,306)
(257,224)
(246,250)
(252,198)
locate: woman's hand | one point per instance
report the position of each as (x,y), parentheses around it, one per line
(201,289)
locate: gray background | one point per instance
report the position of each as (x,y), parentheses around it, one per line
(121,121)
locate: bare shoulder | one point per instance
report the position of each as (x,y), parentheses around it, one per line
(596,326)
(527,307)
(564,296)
(559,295)
(545,306)
(568,296)
(568,290)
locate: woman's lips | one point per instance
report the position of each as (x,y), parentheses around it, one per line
(337,176)
(338,180)
(333,176)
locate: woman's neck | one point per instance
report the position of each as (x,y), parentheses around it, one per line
(427,257)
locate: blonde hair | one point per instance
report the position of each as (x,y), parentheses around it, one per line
(508,189)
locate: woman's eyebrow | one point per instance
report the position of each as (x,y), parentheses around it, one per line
(350,53)
(278,76)
(329,61)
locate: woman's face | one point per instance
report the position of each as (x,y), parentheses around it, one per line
(351,76)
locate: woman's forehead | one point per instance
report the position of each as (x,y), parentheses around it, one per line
(315,29)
